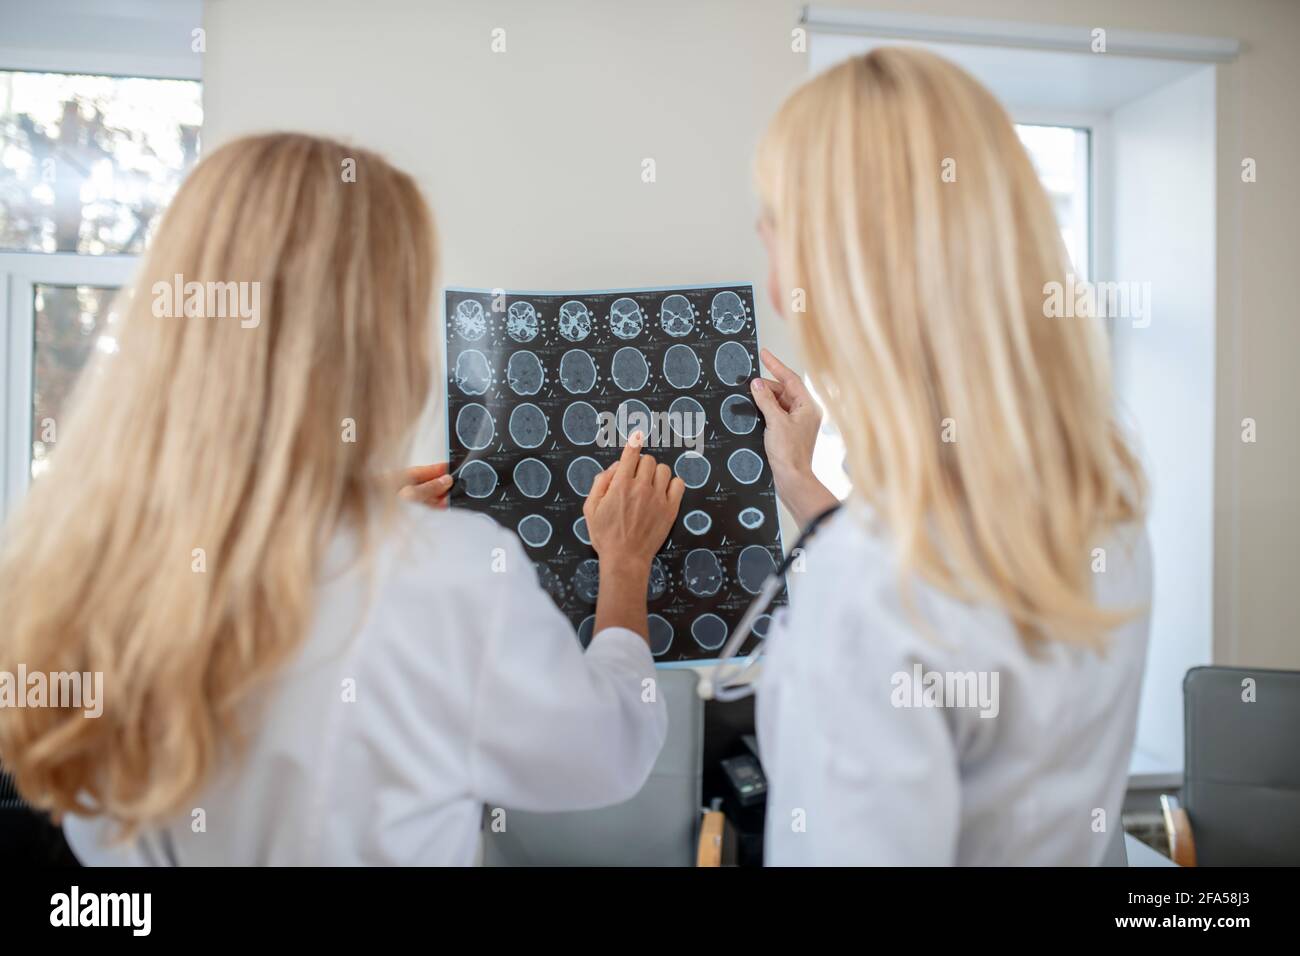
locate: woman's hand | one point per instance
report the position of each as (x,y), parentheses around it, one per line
(792,418)
(426,484)
(631,507)
(630,510)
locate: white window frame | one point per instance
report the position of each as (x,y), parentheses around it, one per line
(1099,178)
(20,274)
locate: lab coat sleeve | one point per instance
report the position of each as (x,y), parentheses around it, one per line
(896,801)
(556,728)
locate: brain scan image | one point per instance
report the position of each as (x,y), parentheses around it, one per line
(692,468)
(534,531)
(581,423)
(745,466)
(543,390)
(577,372)
(475,427)
(477,478)
(681,366)
(521,322)
(661,635)
(753,566)
(551,582)
(528,425)
(581,473)
(709,631)
(629,369)
(473,374)
(697,522)
(658,580)
(586,580)
(632,415)
(686,417)
(738,414)
(469,320)
(625,318)
(728,313)
(702,572)
(525,374)
(575,321)
(532,477)
(676,315)
(732,364)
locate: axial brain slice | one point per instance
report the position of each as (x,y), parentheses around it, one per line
(586,580)
(470,320)
(525,373)
(629,369)
(473,374)
(681,366)
(528,427)
(575,321)
(728,313)
(577,372)
(731,363)
(625,319)
(676,317)
(661,634)
(753,566)
(474,426)
(739,414)
(709,631)
(692,468)
(702,572)
(745,466)
(521,321)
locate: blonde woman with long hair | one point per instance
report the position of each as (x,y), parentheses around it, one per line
(957,678)
(297,666)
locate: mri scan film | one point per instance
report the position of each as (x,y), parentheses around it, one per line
(544,389)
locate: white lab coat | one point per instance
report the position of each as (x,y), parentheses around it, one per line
(446,681)
(856,778)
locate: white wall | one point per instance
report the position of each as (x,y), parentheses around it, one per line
(532,161)
(532,158)
(1162,217)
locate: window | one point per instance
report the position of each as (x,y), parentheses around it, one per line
(87,165)
(1061,155)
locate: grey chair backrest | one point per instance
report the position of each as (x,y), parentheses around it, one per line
(1241,785)
(657,827)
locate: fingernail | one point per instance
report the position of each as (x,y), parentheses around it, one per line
(444,481)
(636,437)
(757,384)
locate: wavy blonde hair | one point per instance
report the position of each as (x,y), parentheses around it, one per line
(925,314)
(201,433)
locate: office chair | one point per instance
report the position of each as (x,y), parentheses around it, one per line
(1241,779)
(661,826)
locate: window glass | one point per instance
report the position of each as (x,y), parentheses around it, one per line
(88,163)
(72,322)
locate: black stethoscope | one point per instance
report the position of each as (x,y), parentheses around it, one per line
(721,684)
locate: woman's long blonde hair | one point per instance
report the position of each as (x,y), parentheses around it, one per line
(175,540)
(909,219)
